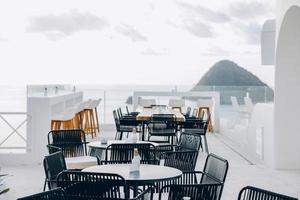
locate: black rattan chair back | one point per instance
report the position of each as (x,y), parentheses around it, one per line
(253,193)
(92,186)
(56,194)
(189,141)
(188,112)
(117,120)
(182,160)
(162,124)
(195,112)
(215,169)
(71,142)
(127,110)
(194,191)
(120,114)
(195,126)
(123,153)
(53,165)
(168,119)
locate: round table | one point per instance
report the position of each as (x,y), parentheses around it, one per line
(148,174)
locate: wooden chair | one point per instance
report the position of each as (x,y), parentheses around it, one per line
(91,120)
(205,107)
(63,120)
(177,104)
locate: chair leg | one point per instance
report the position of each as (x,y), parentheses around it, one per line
(97,120)
(93,131)
(45,183)
(206,145)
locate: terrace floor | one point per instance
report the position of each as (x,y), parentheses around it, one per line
(25,180)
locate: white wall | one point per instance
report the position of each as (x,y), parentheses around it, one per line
(261,151)
(287,87)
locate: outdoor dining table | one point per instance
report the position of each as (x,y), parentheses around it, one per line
(96,148)
(145,116)
(147,174)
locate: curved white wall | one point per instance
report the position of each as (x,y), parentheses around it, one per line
(287,88)
(268,42)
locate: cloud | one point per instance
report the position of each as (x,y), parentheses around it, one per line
(151,52)
(2,39)
(198,28)
(65,24)
(251,32)
(216,51)
(205,13)
(248,10)
(131,32)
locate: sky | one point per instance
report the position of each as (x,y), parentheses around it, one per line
(161,42)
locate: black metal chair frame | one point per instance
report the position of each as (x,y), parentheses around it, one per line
(199,127)
(87,185)
(53,165)
(190,177)
(133,114)
(170,129)
(129,122)
(55,194)
(194,191)
(71,142)
(182,160)
(123,153)
(254,193)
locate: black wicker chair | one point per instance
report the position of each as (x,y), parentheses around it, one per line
(214,171)
(71,142)
(56,194)
(163,125)
(131,113)
(195,113)
(197,127)
(124,124)
(187,142)
(94,186)
(188,112)
(195,192)
(53,165)
(123,153)
(182,160)
(253,193)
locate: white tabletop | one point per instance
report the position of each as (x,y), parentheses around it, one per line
(146,113)
(147,173)
(99,145)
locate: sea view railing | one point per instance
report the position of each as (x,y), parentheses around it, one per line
(14,99)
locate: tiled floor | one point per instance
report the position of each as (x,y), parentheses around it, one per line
(25,180)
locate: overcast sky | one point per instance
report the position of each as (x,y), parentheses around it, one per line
(128,42)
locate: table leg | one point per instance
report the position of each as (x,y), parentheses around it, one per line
(135,191)
(143,131)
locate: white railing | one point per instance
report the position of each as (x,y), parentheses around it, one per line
(12,133)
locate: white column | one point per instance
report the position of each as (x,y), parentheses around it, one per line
(287,92)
